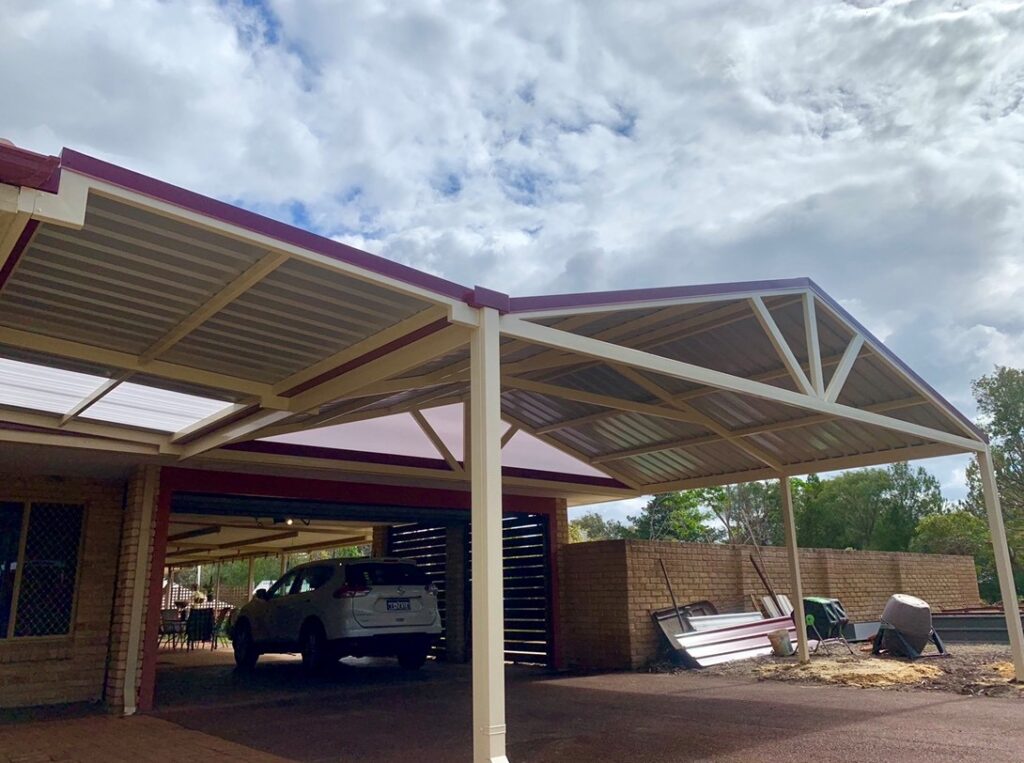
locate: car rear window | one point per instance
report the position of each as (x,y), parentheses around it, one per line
(372,574)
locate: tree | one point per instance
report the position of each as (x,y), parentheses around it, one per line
(592,526)
(749,512)
(876,509)
(674,516)
(964,534)
(1000,398)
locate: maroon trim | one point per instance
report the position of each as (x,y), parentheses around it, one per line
(147,685)
(228,213)
(614,298)
(27,168)
(385,349)
(483,297)
(19,249)
(175,479)
(418,462)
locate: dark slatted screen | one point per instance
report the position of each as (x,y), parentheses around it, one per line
(527,579)
(425,545)
(527,589)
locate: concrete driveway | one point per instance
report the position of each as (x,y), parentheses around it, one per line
(375,712)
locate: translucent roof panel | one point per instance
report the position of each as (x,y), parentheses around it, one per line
(41,388)
(150,408)
(400,434)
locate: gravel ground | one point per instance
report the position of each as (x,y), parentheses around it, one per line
(970,669)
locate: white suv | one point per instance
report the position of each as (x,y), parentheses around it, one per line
(337,608)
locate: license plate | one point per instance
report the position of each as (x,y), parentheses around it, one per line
(398,605)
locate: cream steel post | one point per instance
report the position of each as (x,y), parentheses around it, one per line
(488,613)
(793,555)
(1002,553)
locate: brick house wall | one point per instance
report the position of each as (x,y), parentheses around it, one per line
(71,668)
(611,587)
(139,513)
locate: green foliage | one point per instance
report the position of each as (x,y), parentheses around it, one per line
(749,513)
(592,526)
(876,509)
(674,516)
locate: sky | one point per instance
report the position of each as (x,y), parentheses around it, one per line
(876,147)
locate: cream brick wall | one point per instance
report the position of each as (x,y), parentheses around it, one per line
(139,512)
(48,670)
(611,587)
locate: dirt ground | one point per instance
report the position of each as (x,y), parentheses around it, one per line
(970,669)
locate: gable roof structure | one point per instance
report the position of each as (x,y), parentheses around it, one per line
(175,304)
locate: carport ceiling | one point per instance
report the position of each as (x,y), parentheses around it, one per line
(195,330)
(204,538)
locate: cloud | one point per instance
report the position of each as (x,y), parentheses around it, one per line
(538,147)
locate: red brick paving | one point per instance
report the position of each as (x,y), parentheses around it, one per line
(105,738)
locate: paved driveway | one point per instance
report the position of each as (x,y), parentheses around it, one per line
(376,712)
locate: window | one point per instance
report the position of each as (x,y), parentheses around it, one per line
(283,587)
(374,573)
(314,577)
(39,546)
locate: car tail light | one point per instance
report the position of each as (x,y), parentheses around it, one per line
(349,591)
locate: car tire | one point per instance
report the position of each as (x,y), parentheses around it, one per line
(313,647)
(412,658)
(244,647)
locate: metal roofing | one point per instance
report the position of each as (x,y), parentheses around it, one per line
(169,311)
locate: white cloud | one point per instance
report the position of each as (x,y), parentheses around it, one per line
(538,147)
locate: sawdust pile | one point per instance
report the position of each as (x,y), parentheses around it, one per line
(1002,669)
(853,672)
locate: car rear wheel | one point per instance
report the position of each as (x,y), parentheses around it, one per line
(244,647)
(413,657)
(313,646)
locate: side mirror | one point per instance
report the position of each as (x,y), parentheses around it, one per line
(263,594)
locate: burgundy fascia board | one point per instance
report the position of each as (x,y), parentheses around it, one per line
(28,169)
(615,299)
(417,462)
(251,221)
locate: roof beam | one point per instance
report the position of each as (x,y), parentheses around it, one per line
(608,352)
(196,533)
(509,434)
(569,451)
(93,397)
(813,345)
(232,291)
(778,373)
(374,342)
(785,352)
(88,353)
(756,429)
(757,452)
(436,441)
(424,349)
(247,541)
(591,398)
(842,372)
(874,458)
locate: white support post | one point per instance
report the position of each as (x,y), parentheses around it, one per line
(250,583)
(793,554)
(1003,567)
(488,613)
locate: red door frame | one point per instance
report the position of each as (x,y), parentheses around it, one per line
(176,479)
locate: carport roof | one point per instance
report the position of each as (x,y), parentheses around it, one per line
(199,329)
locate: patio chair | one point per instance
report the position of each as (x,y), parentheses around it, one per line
(222,626)
(172,627)
(199,626)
